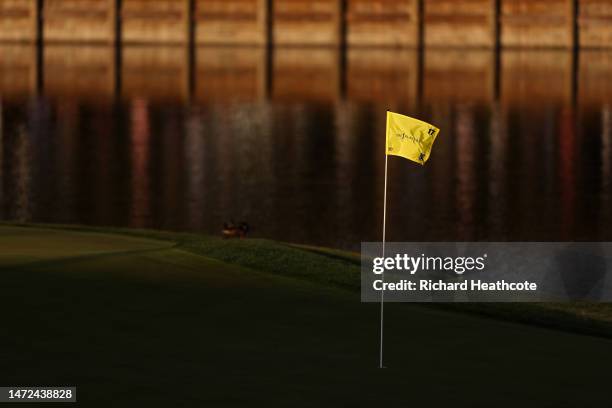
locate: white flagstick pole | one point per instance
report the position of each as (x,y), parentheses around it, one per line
(382,292)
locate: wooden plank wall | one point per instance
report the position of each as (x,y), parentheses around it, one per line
(459,76)
(537,23)
(161,74)
(595,23)
(81,73)
(18,70)
(472,23)
(161,21)
(536,78)
(306,22)
(80,20)
(306,74)
(18,20)
(595,78)
(382,22)
(385,77)
(229,74)
(459,23)
(231,22)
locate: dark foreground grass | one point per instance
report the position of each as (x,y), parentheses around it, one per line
(341,269)
(140,318)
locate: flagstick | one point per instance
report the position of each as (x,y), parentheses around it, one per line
(382,292)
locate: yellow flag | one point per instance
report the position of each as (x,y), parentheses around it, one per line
(409,138)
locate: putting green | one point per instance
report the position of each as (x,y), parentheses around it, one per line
(141,322)
(23,245)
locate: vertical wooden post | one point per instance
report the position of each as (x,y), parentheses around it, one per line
(574,5)
(495,23)
(40,50)
(118,37)
(191,51)
(574,27)
(39,15)
(496,48)
(118,25)
(269,57)
(342,58)
(420,17)
(343,23)
(268,14)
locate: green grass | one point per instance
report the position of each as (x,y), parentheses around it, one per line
(341,269)
(143,318)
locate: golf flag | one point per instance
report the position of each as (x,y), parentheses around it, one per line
(409,138)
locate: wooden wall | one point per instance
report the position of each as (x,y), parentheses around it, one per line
(471,23)
(306,74)
(18,20)
(80,20)
(595,23)
(231,22)
(161,74)
(595,78)
(83,73)
(389,78)
(18,70)
(459,23)
(459,76)
(536,78)
(306,22)
(229,74)
(382,22)
(161,21)
(537,23)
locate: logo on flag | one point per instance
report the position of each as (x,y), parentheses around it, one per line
(409,138)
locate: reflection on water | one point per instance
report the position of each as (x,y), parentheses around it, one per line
(292,141)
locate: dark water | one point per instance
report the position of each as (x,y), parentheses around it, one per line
(292,141)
